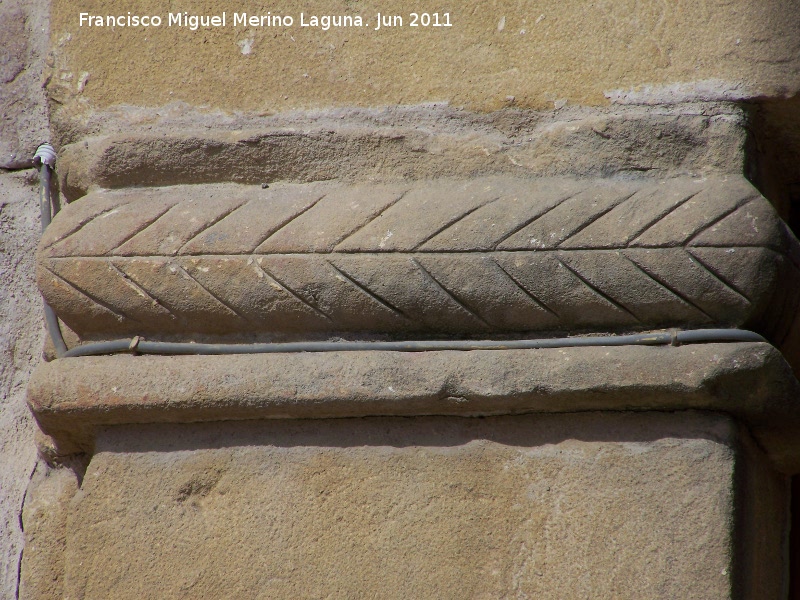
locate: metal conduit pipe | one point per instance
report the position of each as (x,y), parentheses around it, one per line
(46,156)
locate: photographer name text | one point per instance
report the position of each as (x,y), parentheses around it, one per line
(324,22)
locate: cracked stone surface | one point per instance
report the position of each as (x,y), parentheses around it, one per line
(45,518)
(24,124)
(21,336)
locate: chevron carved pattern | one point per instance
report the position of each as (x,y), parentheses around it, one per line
(483,255)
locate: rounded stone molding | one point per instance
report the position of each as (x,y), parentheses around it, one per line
(489,255)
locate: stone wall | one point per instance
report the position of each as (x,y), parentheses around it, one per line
(569,169)
(21,337)
(23,126)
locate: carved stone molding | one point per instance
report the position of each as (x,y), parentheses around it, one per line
(72,397)
(487,255)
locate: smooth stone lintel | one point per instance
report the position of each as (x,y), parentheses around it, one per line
(751,381)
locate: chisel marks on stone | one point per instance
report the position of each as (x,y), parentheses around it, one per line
(129,281)
(361,287)
(290,291)
(596,289)
(118,314)
(288,221)
(139,230)
(209,225)
(451,295)
(377,215)
(226,305)
(526,291)
(716,275)
(682,297)
(532,219)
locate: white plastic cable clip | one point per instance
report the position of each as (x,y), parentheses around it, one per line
(45,154)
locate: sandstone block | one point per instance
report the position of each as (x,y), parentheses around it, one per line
(557,506)
(400,143)
(44,515)
(560,53)
(72,397)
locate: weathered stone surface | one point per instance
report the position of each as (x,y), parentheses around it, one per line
(23,126)
(483,255)
(546,506)
(45,514)
(24,122)
(762,519)
(495,54)
(776,154)
(146,147)
(637,506)
(70,397)
(21,334)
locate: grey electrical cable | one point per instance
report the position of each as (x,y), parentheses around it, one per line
(54,330)
(46,156)
(44,196)
(642,339)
